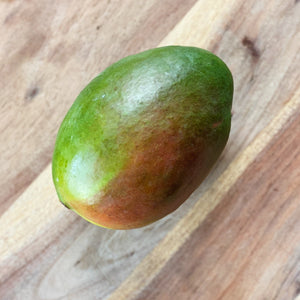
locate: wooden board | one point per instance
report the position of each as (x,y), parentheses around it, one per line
(237,236)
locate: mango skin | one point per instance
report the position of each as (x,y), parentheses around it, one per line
(142,136)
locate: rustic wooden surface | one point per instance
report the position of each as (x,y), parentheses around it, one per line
(237,237)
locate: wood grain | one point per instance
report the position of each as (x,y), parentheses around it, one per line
(47,252)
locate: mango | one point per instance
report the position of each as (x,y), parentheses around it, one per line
(143,135)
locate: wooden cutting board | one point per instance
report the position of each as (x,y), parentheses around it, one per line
(237,237)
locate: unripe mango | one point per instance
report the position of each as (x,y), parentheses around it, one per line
(143,135)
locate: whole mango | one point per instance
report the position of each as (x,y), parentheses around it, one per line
(143,135)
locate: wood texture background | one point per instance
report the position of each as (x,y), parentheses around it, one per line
(237,237)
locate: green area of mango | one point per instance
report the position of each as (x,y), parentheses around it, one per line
(142,136)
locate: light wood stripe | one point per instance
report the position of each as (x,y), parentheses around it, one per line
(213,17)
(17,221)
(297,297)
(156,260)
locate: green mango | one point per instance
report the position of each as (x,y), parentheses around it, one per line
(142,136)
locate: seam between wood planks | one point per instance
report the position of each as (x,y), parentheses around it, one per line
(156,260)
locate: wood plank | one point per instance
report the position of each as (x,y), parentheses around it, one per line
(46,252)
(56,49)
